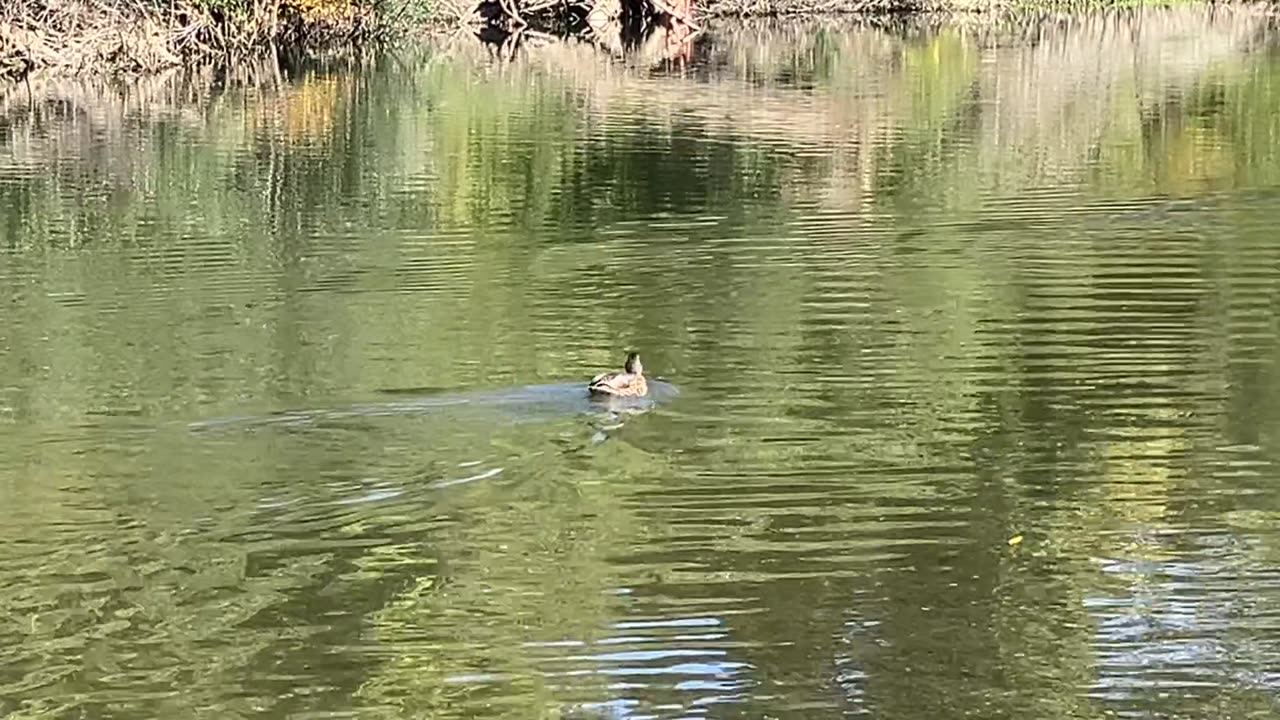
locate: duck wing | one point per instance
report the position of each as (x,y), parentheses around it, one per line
(611,383)
(623,384)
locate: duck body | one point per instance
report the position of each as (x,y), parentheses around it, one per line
(628,383)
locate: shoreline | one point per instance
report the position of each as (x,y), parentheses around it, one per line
(123,40)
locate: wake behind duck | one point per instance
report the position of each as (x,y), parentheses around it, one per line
(527,403)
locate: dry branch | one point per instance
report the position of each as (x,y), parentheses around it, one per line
(592,20)
(111,37)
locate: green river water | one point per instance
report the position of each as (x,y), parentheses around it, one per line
(969,338)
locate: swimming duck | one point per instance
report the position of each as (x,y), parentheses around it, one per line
(628,383)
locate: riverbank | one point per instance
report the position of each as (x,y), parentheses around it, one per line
(123,37)
(131,37)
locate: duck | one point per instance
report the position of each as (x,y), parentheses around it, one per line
(628,383)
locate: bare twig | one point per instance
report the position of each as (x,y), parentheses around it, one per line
(536,7)
(513,13)
(665,7)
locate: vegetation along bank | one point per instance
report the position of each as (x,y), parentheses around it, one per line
(144,36)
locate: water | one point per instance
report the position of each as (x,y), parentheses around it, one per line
(970,336)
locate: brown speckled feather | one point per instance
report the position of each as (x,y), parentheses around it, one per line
(623,384)
(629,383)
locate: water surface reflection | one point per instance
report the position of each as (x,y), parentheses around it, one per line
(924,288)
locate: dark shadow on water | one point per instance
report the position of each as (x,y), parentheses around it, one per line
(662,45)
